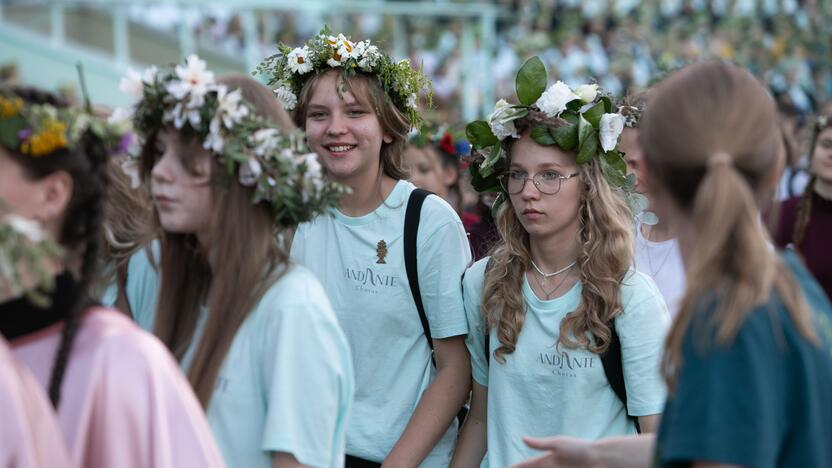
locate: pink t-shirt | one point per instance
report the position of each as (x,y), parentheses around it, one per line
(124,401)
(29,432)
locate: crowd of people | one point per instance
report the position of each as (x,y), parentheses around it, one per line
(309,273)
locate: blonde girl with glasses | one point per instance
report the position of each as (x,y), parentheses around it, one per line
(558,294)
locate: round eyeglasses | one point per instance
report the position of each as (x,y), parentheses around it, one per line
(547,182)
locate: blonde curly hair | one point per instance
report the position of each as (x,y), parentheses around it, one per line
(606,238)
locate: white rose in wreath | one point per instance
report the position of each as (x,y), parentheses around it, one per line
(587,92)
(553,102)
(611,127)
(502,119)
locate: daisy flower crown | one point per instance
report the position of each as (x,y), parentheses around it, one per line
(278,166)
(289,69)
(39,130)
(589,127)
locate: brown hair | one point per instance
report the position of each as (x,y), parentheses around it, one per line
(606,239)
(126,229)
(370,93)
(243,237)
(79,230)
(710,135)
(804,205)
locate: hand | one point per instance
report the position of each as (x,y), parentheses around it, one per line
(564,452)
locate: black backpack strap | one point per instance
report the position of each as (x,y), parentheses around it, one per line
(487,331)
(614,370)
(411,231)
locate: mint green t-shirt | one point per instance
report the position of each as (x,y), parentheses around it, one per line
(547,390)
(142,283)
(287,383)
(360,262)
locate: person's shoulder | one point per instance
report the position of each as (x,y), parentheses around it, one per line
(127,351)
(638,286)
(475,274)
(297,291)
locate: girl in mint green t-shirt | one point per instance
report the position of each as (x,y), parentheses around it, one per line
(357,107)
(558,292)
(256,334)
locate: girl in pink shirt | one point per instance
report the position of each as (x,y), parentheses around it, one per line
(120,398)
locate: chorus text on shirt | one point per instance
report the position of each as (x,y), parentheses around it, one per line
(563,361)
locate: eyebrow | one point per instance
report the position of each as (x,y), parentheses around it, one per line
(547,165)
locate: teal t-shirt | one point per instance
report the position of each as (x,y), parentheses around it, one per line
(544,389)
(761,401)
(142,283)
(360,261)
(287,382)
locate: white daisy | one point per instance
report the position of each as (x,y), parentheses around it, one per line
(194,79)
(298,61)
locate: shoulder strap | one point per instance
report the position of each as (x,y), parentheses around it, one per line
(411,231)
(488,330)
(614,370)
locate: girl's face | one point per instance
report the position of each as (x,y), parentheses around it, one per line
(544,215)
(822,156)
(425,170)
(345,132)
(44,200)
(633,156)
(182,197)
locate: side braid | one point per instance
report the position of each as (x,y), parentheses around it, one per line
(87,204)
(804,209)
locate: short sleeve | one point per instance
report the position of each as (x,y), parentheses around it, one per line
(472,288)
(143,285)
(725,394)
(642,329)
(443,256)
(308,379)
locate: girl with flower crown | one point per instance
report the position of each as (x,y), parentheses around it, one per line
(101,371)
(558,297)
(357,107)
(751,348)
(30,436)
(255,333)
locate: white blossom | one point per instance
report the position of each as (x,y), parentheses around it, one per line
(286,97)
(27,227)
(502,119)
(611,127)
(264,140)
(553,102)
(194,80)
(298,61)
(249,172)
(411,101)
(587,92)
(230,108)
(132,84)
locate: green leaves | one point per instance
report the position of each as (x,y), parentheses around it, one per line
(565,137)
(480,135)
(531,81)
(615,169)
(487,182)
(542,136)
(9,131)
(587,141)
(487,167)
(593,115)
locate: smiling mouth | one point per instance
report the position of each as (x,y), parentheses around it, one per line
(339,148)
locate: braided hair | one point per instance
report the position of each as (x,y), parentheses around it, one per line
(804,205)
(82,218)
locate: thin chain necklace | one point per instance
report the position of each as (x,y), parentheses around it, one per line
(544,278)
(655,272)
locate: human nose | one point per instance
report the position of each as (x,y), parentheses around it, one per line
(530,190)
(163,169)
(337,124)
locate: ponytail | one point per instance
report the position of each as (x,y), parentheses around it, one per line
(734,263)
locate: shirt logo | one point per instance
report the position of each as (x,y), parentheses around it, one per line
(381,251)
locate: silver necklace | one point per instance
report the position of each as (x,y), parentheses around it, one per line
(544,278)
(549,275)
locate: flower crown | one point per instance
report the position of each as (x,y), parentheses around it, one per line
(28,260)
(442,137)
(279,167)
(290,68)
(590,128)
(38,130)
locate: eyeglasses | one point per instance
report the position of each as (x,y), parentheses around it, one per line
(547,182)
